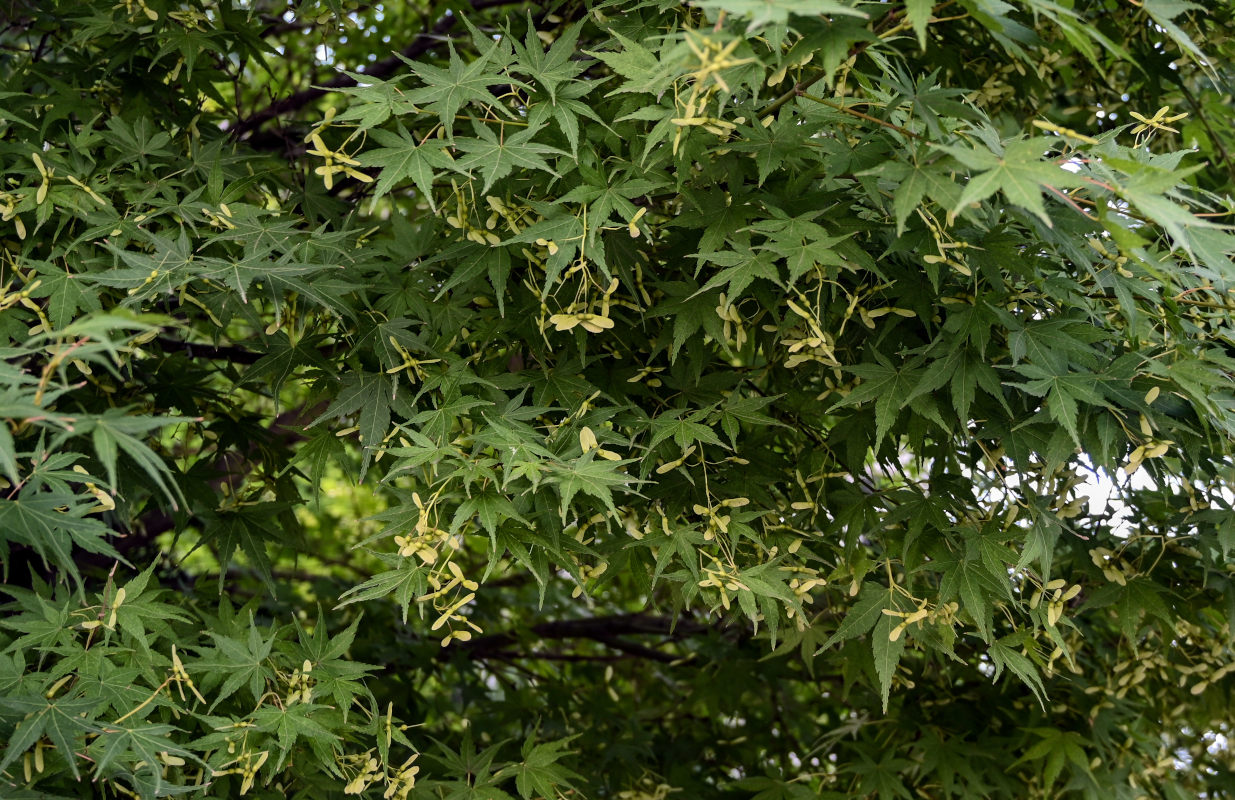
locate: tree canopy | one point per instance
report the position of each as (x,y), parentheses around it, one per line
(617,398)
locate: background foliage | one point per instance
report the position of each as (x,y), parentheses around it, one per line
(616,399)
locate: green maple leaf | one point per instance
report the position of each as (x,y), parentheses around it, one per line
(448,90)
(1062,391)
(248,528)
(491,508)
(693,311)
(887,654)
(918,12)
(141,611)
(638,65)
(562,227)
(964,372)
(540,774)
(62,721)
(400,158)
(738,410)
(890,388)
(377,100)
(971,581)
(333,673)
(53,523)
(683,431)
(1054,343)
(120,688)
(317,454)
(242,661)
(293,722)
(784,143)
(1006,652)
(282,358)
(1055,748)
(496,156)
(68,294)
(862,615)
(917,180)
(553,67)
(592,477)
(116,430)
(740,269)
(139,744)
(369,395)
(406,582)
(1020,173)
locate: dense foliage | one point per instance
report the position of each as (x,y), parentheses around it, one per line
(617,398)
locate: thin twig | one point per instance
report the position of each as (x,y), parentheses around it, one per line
(860,115)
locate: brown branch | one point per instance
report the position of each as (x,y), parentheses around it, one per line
(232,353)
(603,630)
(860,115)
(511,655)
(215,352)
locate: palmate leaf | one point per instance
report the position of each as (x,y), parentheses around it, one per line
(241,273)
(492,509)
(973,583)
(334,675)
(448,89)
(553,67)
(887,654)
(1020,173)
(44,623)
(591,477)
(749,411)
(782,144)
(136,748)
(169,265)
(369,396)
(242,663)
(1062,393)
(684,432)
(117,430)
(1006,653)
(53,523)
(402,158)
(918,180)
(283,357)
(540,774)
(316,456)
(142,613)
(404,583)
(119,689)
(251,529)
(964,371)
(642,69)
(889,386)
(561,226)
(292,722)
(64,721)
(68,295)
(1054,749)
(862,615)
(693,314)
(1056,343)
